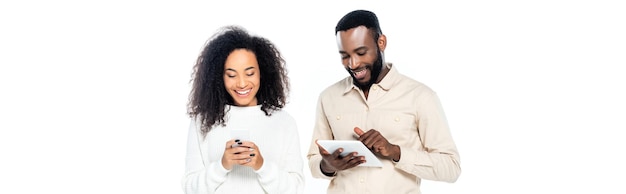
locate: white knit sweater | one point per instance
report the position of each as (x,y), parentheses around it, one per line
(277,139)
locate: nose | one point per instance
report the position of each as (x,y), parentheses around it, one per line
(354,63)
(242,82)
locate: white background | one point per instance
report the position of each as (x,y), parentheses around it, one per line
(93,93)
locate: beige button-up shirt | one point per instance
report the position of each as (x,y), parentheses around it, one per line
(407,113)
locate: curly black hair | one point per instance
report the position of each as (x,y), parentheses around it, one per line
(208,97)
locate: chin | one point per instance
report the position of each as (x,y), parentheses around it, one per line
(245,103)
(364,81)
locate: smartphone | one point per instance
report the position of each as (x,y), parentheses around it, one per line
(240,134)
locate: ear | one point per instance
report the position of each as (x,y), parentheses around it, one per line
(382,42)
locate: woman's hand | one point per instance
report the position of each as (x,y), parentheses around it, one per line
(243,153)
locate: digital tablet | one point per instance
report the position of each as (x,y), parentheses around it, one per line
(350,146)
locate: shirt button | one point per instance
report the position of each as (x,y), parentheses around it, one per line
(397,119)
(362,180)
(375,88)
(338,117)
(367,109)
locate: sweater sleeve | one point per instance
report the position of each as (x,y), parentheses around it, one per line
(200,177)
(286,175)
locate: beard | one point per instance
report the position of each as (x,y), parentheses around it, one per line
(375,70)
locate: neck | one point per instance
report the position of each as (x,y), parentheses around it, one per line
(383,73)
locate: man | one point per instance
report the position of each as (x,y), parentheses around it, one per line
(399,119)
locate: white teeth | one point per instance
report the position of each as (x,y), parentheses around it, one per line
(358,73)
(242,92)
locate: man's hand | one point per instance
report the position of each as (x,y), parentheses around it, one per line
(334,162)
(378,144)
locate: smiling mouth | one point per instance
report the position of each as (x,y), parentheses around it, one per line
(243,92)
(359,73)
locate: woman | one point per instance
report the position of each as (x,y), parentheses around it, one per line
(240,84)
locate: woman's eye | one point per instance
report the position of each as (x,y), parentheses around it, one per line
(231,76)
(250,74)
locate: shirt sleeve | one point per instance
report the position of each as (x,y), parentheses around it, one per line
(285,177)
(321,130)
(200,177)
(439,160)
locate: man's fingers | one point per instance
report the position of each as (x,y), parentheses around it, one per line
(378,143)
(368,135)
(358,131)
(372,139)
(337,153)
(355,161)
(369,142)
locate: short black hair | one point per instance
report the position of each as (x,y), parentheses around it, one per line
(359,18)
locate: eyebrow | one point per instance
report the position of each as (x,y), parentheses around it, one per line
(362,48)
(231,69)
